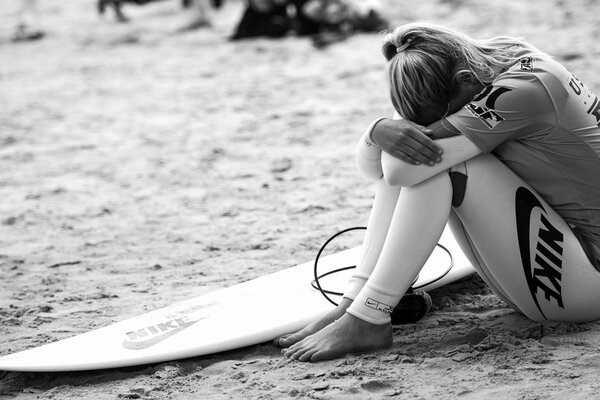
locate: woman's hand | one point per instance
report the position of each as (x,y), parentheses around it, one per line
(406,141)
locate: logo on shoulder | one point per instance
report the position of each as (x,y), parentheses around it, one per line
(527,64)
(487,113)
(489,117)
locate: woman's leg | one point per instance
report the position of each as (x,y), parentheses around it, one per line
(419,218)
(468,247)
(418,222)
(384,204)
(523,248)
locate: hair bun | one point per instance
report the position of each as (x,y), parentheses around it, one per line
(389,50)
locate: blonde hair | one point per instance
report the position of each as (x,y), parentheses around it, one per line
(422,58)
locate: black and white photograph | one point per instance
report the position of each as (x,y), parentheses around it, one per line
(299,199)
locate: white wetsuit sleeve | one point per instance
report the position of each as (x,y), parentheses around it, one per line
(368,156)
(456,149)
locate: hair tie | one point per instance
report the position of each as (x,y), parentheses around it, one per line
(404,46)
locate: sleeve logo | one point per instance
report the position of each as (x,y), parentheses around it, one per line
(486,113)
(527,64)
(489,117)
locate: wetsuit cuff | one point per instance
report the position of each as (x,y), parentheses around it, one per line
(369,134)
(373,306)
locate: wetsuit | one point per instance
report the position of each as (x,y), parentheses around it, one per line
(529,219)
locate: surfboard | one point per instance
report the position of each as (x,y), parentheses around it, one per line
(245,314)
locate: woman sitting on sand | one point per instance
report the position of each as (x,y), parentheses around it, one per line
(513,167)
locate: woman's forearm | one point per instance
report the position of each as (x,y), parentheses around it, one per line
(456,149)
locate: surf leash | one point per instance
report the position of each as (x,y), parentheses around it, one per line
(414,304)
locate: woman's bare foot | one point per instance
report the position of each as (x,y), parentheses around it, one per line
(346,335)
(292,338)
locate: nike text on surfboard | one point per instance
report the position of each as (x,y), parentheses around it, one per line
(154,334)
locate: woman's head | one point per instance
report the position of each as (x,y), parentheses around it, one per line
(429,65)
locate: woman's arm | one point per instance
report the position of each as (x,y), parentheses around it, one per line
(373,163)
(406,140)
(457,149)
(402,139)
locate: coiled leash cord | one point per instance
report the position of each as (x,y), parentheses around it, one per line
(414,304)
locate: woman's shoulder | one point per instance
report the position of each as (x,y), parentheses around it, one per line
(534,75)
(540,67)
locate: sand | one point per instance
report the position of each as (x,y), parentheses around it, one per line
(140,167)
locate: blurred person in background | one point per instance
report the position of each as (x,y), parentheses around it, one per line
(326,21)
(28,22)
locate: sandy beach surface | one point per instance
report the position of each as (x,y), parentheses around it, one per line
(140,166)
